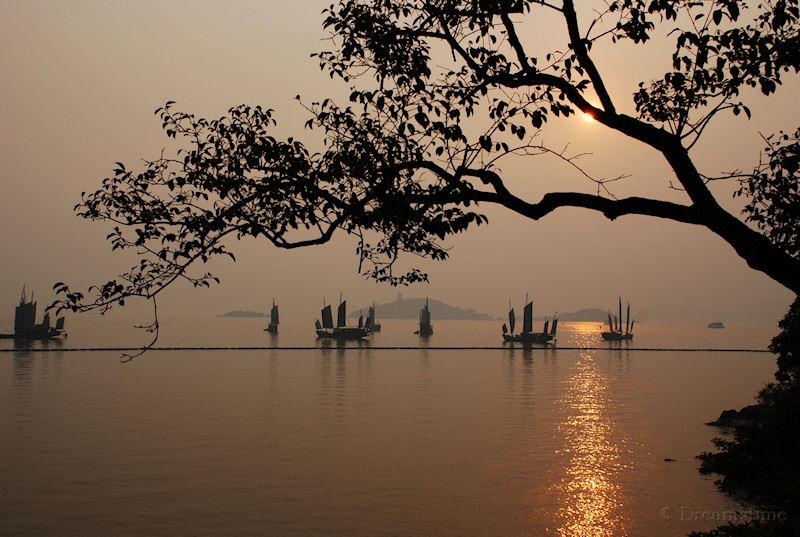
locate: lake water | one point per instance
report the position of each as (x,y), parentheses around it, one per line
(357,441)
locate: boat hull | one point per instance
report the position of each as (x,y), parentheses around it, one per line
(34,337)
(529,337)
(616,336)
(343,333)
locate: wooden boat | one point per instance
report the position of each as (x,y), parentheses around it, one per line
(326,330)
(371,324)
(615,332)
(716,324)
(272,328)
(527,335)
(425,326)
(25,326)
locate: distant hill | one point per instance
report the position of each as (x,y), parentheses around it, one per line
(584,315)
(243,313)
(408,308)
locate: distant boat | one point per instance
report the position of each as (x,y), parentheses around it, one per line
(371,323)
(527,335)
(25,326)
(326,330)
(615,332)
(716,324)
(272,328)
(425,326)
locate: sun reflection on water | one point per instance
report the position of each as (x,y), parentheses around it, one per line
(590,501)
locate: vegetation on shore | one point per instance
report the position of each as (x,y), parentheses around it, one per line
(759,464)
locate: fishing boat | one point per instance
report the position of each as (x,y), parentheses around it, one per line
(615,332)
(425,326)
(716,324)
(25,326)
(371,323)
(527,335)
(272,328)
(326,330)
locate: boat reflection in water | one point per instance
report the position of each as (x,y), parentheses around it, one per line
(590,497)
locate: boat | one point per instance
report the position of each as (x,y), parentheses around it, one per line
(716,324)
(326,330)
(527,335)
(272,328)
(371,324)
(615,332)
(25,326)
(425,326)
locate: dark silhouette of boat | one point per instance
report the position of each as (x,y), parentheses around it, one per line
(615,332)
(272,327)
(326,330)
(425,326)
(527,335)
(25,326)
(716,324)
(371,324)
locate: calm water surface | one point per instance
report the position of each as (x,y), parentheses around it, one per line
(353,441)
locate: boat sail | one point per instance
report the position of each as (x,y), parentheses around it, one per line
(615,332)
(371,323)
(327,317)
(25,326)
(341,313)
(272,328)
(341,331)
(527,335)
(425,326)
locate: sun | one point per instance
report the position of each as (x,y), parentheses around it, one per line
(587,117)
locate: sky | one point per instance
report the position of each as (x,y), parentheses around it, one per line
(81,79)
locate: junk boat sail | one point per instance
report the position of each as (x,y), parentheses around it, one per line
(372,324)
(272,328)
(615,332)
(425,326)
(527,335)
(326,330)
(25,326)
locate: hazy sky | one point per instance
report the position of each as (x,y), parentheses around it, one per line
(81,79)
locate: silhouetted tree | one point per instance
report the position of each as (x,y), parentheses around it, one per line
(415,154)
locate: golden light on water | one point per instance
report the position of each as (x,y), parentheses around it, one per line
(585,330)
(589,494)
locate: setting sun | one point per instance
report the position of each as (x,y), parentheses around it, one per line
(587,117)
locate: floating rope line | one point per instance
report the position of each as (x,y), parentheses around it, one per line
(379,348)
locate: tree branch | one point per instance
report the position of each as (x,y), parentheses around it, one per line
(582,53)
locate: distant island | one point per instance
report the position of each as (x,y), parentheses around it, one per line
(408,308)
(243,313)
(584,315)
